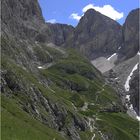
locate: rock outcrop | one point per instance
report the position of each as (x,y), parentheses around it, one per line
(134,91)
(21,18)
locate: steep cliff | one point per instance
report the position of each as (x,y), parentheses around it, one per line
(61,33)
(97,35)
(21,18)
(131,35)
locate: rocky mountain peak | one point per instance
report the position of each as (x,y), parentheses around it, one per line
(131,34)
(134,14)
(93,15)
(97,35)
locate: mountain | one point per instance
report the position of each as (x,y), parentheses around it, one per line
(49,89)
(97,35)
(22,17)
(131,34)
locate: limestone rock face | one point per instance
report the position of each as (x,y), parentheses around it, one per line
(97,35)
(23,9)
(61,33)
(21,18)
(131,34)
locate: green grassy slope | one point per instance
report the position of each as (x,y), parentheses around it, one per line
(73,81)
(18,125)
(76,75)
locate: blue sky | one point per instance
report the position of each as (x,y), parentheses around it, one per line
(70,11)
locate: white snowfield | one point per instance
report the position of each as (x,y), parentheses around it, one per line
(129,106)
(127,86)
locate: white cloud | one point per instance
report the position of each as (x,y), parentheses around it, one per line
(106,10)
(52,21)
(75,16)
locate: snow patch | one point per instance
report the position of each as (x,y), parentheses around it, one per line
(130,108)
(111,56)
(128,97)
(132,112)
(127,86)
(138,118)
(119,48)
(39,67)
(138,53)
(116,78)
